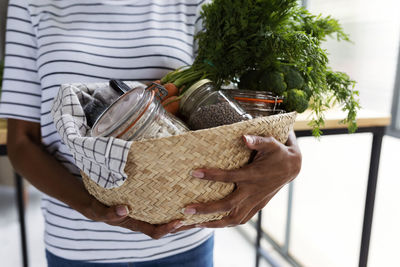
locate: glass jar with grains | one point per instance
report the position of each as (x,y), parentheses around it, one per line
(138,115)
(204,106)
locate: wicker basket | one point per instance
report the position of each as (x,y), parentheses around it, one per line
(159,183)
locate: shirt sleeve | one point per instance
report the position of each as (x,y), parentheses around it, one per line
(21,89)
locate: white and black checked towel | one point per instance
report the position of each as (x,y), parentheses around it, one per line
(102,158)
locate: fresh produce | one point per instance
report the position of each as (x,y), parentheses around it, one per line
(295,99)
(272,45)
(273,81)
(172,89)
(293,78)
(171,104)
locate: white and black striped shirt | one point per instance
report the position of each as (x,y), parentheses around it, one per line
(51,42)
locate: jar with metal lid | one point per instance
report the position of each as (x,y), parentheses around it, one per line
(205,107)
(136,115)
(257,103)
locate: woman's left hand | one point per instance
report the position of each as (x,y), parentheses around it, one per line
(274,165)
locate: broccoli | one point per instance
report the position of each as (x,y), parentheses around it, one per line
(307,90)
(284,68)
(294,79)
(273,81)
(250,80)
(295,100)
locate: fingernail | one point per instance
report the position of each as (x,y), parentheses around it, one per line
(189,211)
(178,225)
(198,174)
(249,139)
(122,210)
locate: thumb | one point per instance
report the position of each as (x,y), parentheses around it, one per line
(259,143)
(109,214)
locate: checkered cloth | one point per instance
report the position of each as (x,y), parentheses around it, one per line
(103,159)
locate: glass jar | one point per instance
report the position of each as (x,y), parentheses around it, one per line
(205,107)
(136,115)
(257,103)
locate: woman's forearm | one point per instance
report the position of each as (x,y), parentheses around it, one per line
(47,174)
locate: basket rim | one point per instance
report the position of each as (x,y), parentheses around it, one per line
(191,132)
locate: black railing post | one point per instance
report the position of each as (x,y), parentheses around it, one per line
(21,215)
(370,198)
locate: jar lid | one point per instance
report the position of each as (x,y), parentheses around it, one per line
(254,96)
(193,88)
(124,108)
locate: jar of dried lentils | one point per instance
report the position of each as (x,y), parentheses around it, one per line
(203,106)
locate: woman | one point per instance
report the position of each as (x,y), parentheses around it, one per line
(52,42)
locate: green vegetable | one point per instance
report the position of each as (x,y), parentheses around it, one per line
(307,90)
(273,35)
(250,80)
(273,81)
(295,100)
(294,79)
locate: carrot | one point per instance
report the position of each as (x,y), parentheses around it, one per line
(181,89)
(171,104)
(172,89)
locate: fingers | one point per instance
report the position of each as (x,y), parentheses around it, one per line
(153,231)
(291,139)
(100,212)
(227,176)
(184,228)
(158,231)
(236,216)
(262,144)
(231,220)
(167,228)
(226,204)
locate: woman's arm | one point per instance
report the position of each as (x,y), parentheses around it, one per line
(41,169)
(29,159)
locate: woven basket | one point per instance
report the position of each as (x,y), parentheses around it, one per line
(159,183)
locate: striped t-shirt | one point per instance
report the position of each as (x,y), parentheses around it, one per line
(51,42)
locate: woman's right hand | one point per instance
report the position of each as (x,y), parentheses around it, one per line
(118,216)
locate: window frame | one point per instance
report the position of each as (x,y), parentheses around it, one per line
(394,128)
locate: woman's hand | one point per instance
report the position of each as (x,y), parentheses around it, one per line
(274,165)
(118,216)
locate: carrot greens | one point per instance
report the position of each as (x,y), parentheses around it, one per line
(260,43)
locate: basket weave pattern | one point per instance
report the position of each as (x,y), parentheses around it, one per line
(159,183)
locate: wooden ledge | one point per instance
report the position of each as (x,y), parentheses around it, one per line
(365,118)
(3,132)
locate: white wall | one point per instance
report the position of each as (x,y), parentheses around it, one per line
(374,27)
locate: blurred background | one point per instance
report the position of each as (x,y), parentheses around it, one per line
(329,193)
